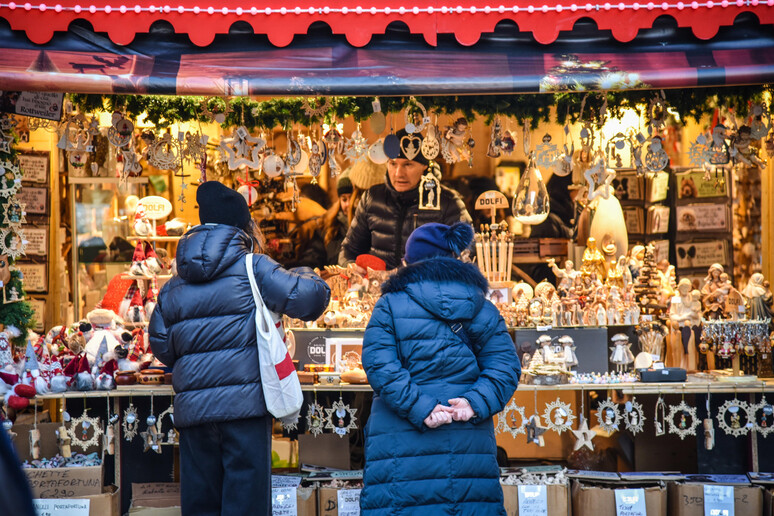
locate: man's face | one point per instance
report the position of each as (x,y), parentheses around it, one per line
(404,174)
(345,200)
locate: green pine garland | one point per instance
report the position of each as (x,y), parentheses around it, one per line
(19,314)
(163,111)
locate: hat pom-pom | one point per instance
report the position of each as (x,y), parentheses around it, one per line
(459,236)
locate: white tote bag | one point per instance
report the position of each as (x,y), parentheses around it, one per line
(279,379)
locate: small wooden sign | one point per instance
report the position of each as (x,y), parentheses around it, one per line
(155,207)
(491,199)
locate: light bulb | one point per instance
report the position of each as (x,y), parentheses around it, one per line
(531,202)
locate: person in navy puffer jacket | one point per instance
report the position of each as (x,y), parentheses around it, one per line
(441,363)
(204,328)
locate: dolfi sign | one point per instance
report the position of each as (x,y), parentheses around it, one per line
(155,207)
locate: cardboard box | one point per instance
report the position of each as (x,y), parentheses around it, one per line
(107,503)
(69,482)
(156,494)
(306,501)
(328,498)
(688,500)
(558,498)
(595,500)
(768,502)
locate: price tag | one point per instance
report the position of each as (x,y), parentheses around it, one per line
(533,500)
(285,481)
(349,502)
(718,500)
(630,502)
(61,507)
(283,501)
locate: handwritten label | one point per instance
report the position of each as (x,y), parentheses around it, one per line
(34,276)
(349,502)
(702,217)
(37,241)
(285,481)
(533,500)
(630,502)
(283,501)
(155,489)
(54,507)
(36,200)
(718,500)
(65,482)
(32,103)
(34,167)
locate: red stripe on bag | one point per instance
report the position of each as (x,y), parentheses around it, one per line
(285,367)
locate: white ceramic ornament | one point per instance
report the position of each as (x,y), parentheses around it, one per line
(249,193)
(376,152)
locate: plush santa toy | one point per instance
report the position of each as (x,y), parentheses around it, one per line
(17,395)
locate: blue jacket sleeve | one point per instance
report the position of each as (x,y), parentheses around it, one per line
(158,337)
(497,360)
(297,293)
(387,376)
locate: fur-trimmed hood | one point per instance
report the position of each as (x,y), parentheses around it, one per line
(446,287)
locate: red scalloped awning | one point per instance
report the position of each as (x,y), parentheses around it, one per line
(281,20)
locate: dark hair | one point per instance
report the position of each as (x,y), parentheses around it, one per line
(315,193)
(256,235)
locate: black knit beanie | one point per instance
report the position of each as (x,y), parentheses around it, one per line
(219,204)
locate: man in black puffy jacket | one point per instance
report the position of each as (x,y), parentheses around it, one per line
(204,328)
(389,212)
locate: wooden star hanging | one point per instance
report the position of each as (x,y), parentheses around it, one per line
(242,149)
(599,178)
(583,436)
(535,431)
(14,213)
(151,439)
(12,242)
(336,418)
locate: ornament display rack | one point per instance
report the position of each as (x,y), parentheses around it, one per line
(89,180)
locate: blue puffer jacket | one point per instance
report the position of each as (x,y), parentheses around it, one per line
(204,323)
(415,361)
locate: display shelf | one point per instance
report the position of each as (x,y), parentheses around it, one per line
(347,387)
(104,180)
(155,238)
(120,391)
(158,277)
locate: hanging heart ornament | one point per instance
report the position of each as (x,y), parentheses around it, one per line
(410,145)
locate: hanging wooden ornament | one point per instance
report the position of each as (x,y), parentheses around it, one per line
(165,153)
(377,120)
(120,133)
(415,117)
(14,212)
(321,106)
(216,113)
(6,136)
(558,416)
(130,423)
(535,431)
(508,422)
(494,149)
(608,416)
(599,178)
(315,418)
(152,439)
(546,153)
(171,434)
(12,242)
(79,431)
(430,145)
(758,128)
(337,416)
(10,178)
(583,436)
(356,148)
(634,416)
(333,135)
(730,417)
(194,147)
(683,428)
(763,417)
(242,149)
(109,437)
(34,436)
(77,132)
(698,152)
(318,155)
(563,163)
(719,151)
(657,111)
(430,189)
(656,159)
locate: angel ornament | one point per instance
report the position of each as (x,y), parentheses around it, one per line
(546,153)
(744,153)
(599,179)
(656,159)
(583,157)
(758,128)
(622,354)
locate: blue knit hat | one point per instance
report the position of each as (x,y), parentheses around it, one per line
(433,239)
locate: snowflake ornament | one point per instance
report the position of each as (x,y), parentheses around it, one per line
(683,429)
(336,418)
(356,148)
(608,416)
(558,416)
(508,422)
(730,412)
(79,431)
(765,425)
(315,419)
(634,416)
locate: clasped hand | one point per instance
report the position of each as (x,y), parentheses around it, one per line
(459,410)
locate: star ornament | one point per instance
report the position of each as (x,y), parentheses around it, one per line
(583,436)
(336,418)
(535,431)
(599,178)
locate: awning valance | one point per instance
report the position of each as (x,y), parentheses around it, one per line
(281,20)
